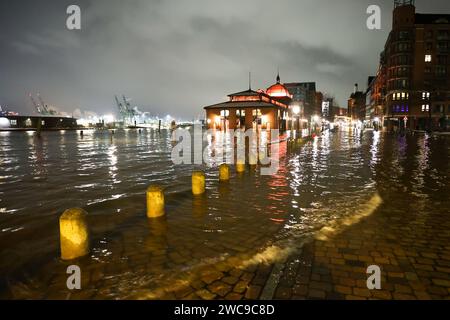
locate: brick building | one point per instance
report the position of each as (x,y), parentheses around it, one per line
(415,69)
(356,105)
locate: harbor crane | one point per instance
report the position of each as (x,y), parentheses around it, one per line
(126,111)
(122,109)
(41,107)
(35,104)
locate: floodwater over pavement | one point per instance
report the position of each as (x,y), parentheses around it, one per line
(204,245)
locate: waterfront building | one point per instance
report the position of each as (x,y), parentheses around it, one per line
(416,67)
(261,109)
(22,122)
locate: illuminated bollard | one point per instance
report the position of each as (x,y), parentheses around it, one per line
(155,202)
(253,159)
(240,166)
(73,234)
(198,182)
(224,172)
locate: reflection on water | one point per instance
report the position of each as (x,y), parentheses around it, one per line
(250,217)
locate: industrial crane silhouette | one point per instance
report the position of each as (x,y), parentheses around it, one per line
(41,107)
(126,111)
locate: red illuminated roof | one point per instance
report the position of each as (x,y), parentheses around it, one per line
(278,90)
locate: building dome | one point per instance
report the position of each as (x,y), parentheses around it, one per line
(278,90)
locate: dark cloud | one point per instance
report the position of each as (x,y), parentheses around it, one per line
(173,57)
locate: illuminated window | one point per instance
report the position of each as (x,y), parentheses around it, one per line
(428,58)
(240,113)
(425,107)
(425,95)
(224,113)
(256,112)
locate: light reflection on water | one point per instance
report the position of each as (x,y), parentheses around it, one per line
(107,175)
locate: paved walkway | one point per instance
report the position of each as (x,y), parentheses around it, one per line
(412,250)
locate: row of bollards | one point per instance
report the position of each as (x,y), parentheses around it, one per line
(73,227)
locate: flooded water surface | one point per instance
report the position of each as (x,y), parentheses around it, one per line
(323,181)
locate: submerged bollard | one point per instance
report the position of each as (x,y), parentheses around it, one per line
(198,182)
(253,159)
(155,201)
(240,166)
(73,234)
(224,172)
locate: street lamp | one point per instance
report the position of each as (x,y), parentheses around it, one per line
(296,111)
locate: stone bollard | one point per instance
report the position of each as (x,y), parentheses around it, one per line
(240,166)
(198,182)
(155,202)
(224,172)
(73,234)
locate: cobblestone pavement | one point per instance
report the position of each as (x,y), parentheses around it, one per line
(414,259)
(412,250)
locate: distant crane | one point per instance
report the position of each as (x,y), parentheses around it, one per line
(126,111)
(122,110)
(131,112)
(41,107)
(35,104)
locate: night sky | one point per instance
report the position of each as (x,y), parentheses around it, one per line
(174,57)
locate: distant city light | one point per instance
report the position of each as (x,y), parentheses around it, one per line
(108,118)
(296,109)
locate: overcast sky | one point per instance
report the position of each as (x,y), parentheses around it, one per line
(174,57)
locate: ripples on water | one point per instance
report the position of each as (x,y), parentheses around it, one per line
(316,184)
